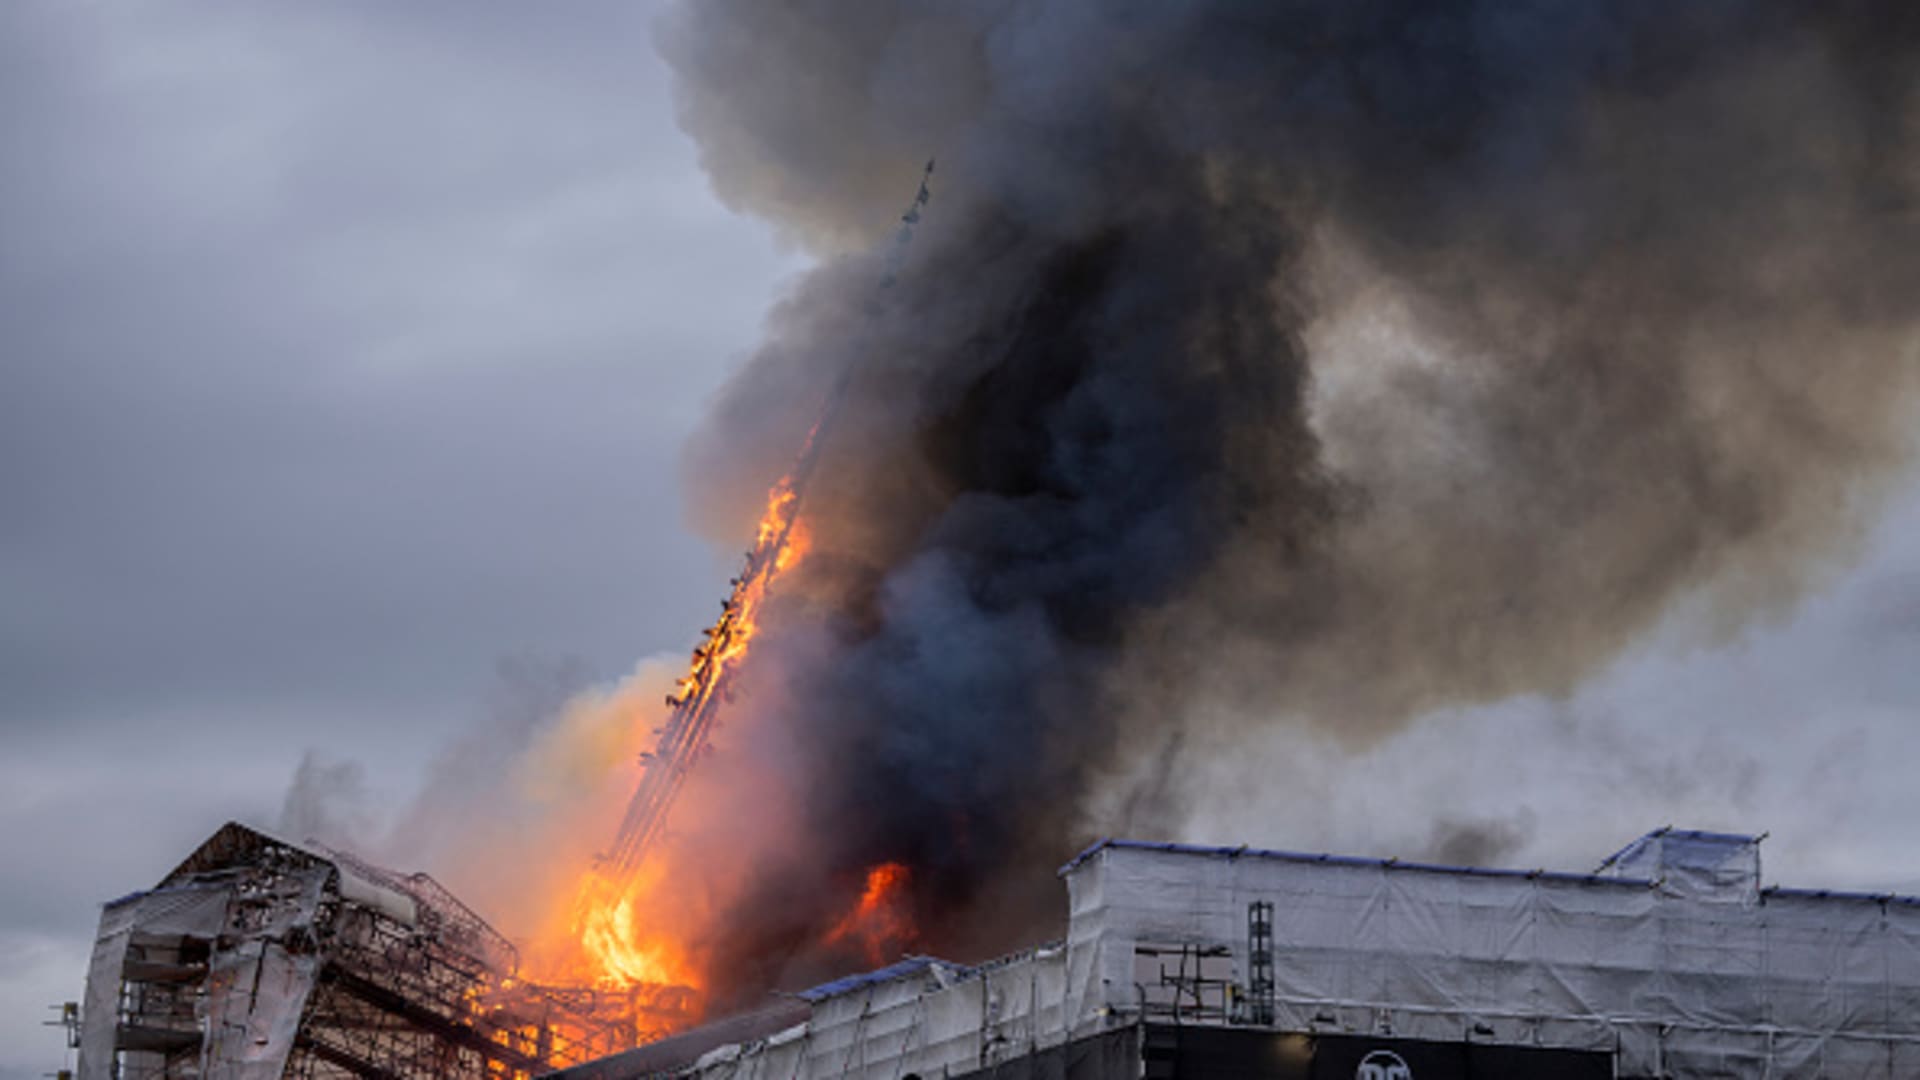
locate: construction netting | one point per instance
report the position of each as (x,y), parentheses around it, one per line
(1691,969)
(1671,962)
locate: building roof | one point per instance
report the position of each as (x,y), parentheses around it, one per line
(912,965)
(1243,851)
(1596,879)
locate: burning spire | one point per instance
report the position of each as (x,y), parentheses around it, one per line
(778,544)
(626,928)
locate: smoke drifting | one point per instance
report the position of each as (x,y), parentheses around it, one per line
(325,801)
(1479,843)
(1319,363)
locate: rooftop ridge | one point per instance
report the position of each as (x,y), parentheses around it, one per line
(1392,863)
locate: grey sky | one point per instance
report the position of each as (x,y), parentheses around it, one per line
(348,348)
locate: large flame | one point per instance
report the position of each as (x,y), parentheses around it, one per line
(632,931)
(621,936)
(631,943)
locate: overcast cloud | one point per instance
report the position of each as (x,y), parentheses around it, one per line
(347,350)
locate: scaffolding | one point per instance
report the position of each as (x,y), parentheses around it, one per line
(262,958)
(1185,982)
(1260,987)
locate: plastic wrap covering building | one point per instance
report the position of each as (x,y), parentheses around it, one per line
(258,959)
(1671,961)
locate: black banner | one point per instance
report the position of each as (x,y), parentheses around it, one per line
(1239,1054)
(1346,1057)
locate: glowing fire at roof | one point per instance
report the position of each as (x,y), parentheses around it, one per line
(878,922)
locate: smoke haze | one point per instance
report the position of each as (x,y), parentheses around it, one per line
(1315,364)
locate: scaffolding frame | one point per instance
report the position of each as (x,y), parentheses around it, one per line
(312,964)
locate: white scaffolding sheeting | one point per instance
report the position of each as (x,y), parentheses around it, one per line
(921,1016)
(1673,960)
(1689,966)
(166,980)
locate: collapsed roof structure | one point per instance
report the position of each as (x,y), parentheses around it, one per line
(1670,960)
(258,958)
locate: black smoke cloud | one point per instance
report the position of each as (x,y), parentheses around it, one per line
(1316,363)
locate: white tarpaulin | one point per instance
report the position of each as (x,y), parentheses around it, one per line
(1689,964)
(168,996)
(1673,960)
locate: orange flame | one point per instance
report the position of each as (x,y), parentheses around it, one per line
(624,939)
(781,503)
(799,542)
(627,950)
(879,923)
(632,932)
(781,540)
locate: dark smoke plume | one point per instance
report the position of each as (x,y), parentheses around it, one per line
(1319,363)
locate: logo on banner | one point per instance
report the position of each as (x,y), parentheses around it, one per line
(1383,1065)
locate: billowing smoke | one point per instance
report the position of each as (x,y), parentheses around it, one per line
(1290,363)
(1479,842)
